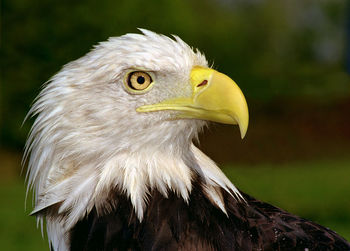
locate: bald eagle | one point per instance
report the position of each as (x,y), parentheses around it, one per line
(112,164)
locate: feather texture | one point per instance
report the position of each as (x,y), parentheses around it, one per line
(172,224)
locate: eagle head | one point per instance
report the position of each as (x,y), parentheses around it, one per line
(123,118)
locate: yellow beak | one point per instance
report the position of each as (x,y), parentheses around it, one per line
(215,97)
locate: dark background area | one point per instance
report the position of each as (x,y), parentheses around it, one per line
(290,58)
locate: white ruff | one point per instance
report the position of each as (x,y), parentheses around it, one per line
(136,175)
(88,139)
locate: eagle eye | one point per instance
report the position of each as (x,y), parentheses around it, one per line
(138,80)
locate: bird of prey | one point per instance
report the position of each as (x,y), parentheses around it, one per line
(112,163)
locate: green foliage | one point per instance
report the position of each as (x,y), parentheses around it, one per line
(271,48)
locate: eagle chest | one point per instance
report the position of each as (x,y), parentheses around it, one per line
(173,224)
(168,224)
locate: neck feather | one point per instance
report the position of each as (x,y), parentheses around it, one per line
(135,175)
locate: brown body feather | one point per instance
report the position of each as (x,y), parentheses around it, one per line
(172,224)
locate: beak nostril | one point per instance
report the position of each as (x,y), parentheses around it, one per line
(204,82)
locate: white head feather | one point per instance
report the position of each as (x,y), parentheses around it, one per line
(88,138)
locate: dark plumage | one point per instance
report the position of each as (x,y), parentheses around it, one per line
(172,224)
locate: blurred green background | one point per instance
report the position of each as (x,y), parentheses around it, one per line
(289,58)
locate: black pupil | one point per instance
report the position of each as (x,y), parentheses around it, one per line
(140,80)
